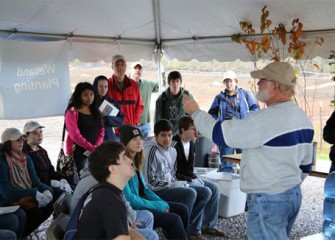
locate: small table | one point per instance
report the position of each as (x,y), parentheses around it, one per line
(317,170)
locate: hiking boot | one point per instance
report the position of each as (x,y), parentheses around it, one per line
(213,232)
(196,237)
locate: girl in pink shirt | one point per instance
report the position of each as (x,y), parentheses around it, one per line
(84,124)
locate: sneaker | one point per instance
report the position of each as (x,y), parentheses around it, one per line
(213,232)
(195,237)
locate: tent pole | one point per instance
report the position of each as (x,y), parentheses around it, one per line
(158,62)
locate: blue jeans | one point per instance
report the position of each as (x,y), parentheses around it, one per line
(211,212)
(271,216)
(145,129)
(183,195)
(14,222)
(206,206)
(194,197)
(8,234)
(174,222)
(227,166)
(146,219)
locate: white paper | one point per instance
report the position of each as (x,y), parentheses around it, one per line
(10,209)
(108,108)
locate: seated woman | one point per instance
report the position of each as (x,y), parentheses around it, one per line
(19,182)
(172,217)
(11,224)
(42,164)
(100,86)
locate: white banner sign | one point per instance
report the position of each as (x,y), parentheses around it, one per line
(34,79)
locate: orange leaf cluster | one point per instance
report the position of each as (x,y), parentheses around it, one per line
(272,40)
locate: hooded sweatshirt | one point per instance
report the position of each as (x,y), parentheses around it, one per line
(171,107)
(159,167)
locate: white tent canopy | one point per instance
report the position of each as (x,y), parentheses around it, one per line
(183,29)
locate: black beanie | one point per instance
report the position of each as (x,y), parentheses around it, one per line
(128,132)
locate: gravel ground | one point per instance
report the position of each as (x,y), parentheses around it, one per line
(309,221)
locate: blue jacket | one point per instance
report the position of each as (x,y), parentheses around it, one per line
(244,99)
(10,193)
(150,201)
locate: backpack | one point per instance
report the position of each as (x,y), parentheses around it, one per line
(72,227)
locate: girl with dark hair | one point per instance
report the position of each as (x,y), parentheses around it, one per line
(20,184)
(84,124)
(100,86)
(172,217)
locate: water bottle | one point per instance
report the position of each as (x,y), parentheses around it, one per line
(329,207)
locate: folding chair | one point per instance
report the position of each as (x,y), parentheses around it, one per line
(57,228)
(62,204)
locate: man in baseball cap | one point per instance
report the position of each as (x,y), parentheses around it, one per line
(125,91)
(279,75)
(147,87)
(277,145)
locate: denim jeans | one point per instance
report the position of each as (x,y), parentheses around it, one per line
(146,219)
(227,166)
(174,222)
(145,129)
(183,195)
(14,222)
(271,216)
(7,234)
(211,212)
(195,197)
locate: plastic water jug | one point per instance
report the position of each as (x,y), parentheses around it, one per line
(213,160)
(329,207)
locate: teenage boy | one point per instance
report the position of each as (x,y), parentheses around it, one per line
(185,147)
(159,171)
(104,214)
(169,104)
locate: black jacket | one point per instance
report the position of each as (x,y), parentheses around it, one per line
(44,169)
(329,135)
(184,167)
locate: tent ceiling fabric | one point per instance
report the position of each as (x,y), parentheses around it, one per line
(185,29)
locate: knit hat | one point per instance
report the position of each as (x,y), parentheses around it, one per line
(128,132)
(31,126)
(11,134)
(280,72)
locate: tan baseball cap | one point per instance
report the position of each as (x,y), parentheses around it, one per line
(31,126)
(11,134)
(117,58)
(280,72)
